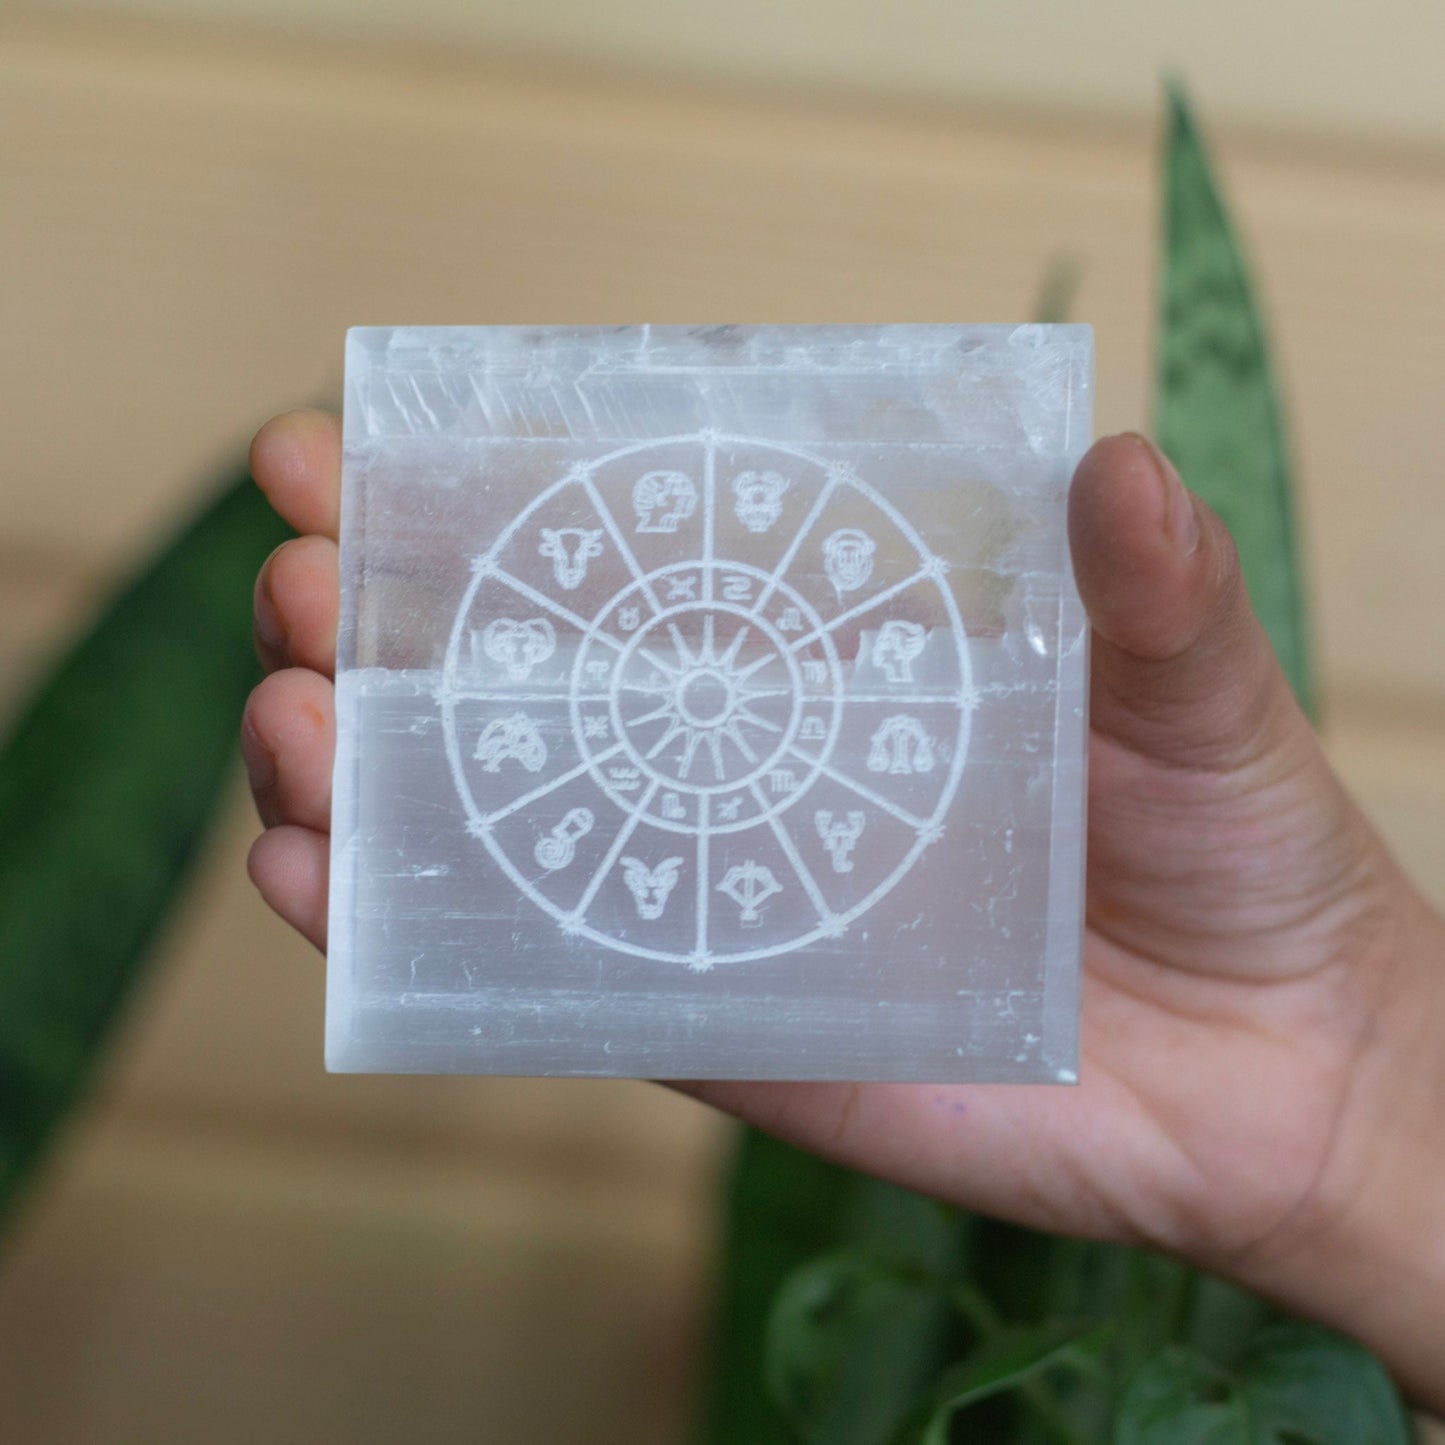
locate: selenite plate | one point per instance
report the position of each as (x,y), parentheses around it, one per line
(710,703)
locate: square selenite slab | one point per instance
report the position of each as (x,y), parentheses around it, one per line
(710,703)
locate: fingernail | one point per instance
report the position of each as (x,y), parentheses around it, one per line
(1181,521)
(270,630)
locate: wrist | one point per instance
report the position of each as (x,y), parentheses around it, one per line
(1366,1255)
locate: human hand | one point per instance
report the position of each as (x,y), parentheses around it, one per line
(1260,1089)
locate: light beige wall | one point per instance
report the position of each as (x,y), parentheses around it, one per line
(1341,67)
(233,1246)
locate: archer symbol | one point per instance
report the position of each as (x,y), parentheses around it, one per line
(749,884)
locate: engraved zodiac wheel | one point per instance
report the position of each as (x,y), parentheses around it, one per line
(707,699)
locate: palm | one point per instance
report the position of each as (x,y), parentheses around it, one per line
(1234,894)
(1203,1053)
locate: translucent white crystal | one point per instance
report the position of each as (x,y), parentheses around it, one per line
(710,703)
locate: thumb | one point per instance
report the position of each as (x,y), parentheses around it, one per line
(1183,672)
(1218,835)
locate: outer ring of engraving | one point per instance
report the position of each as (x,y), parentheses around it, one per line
(934,822)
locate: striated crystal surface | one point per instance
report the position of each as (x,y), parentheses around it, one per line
(710,703)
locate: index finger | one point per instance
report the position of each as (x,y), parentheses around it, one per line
(296,461)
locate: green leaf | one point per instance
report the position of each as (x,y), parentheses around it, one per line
(844,1344)
(1008,1360)
(784,1207)
(1217,413)
(1296,1385)
(1179,1398)
(107,780)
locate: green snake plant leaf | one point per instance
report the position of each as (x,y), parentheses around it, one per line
(107,780)
(1217,412)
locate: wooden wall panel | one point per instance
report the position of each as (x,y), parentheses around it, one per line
(188,227)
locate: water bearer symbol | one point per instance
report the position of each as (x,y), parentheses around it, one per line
(839,836)
(848,559)
(759,498)
(895,647)
(518,646)
(662,500)
(570,548)
(555,850)
(651,887)
(749,884)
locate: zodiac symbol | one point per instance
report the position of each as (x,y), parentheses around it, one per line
(682,589)
(651,887)
(815,672)
(759,498)
(791,620)
(813,731)
(625,780)
(672,807)
(598,668)
(555,850)
(749,884)
(728,812)
(900,746)
(839,837)
(518,646)
(511,737)
(848,559)
(594,726)
(895,647)
(783,780)
(628,618)
(662,500)
(736,587)
(570,549)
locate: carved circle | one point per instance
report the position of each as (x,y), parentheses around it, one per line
(688,726)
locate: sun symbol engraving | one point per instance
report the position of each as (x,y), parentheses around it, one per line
(710,724)
(712,699)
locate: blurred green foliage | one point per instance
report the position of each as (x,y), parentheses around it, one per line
(108,779)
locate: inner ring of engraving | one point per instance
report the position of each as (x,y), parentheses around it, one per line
(707,697)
